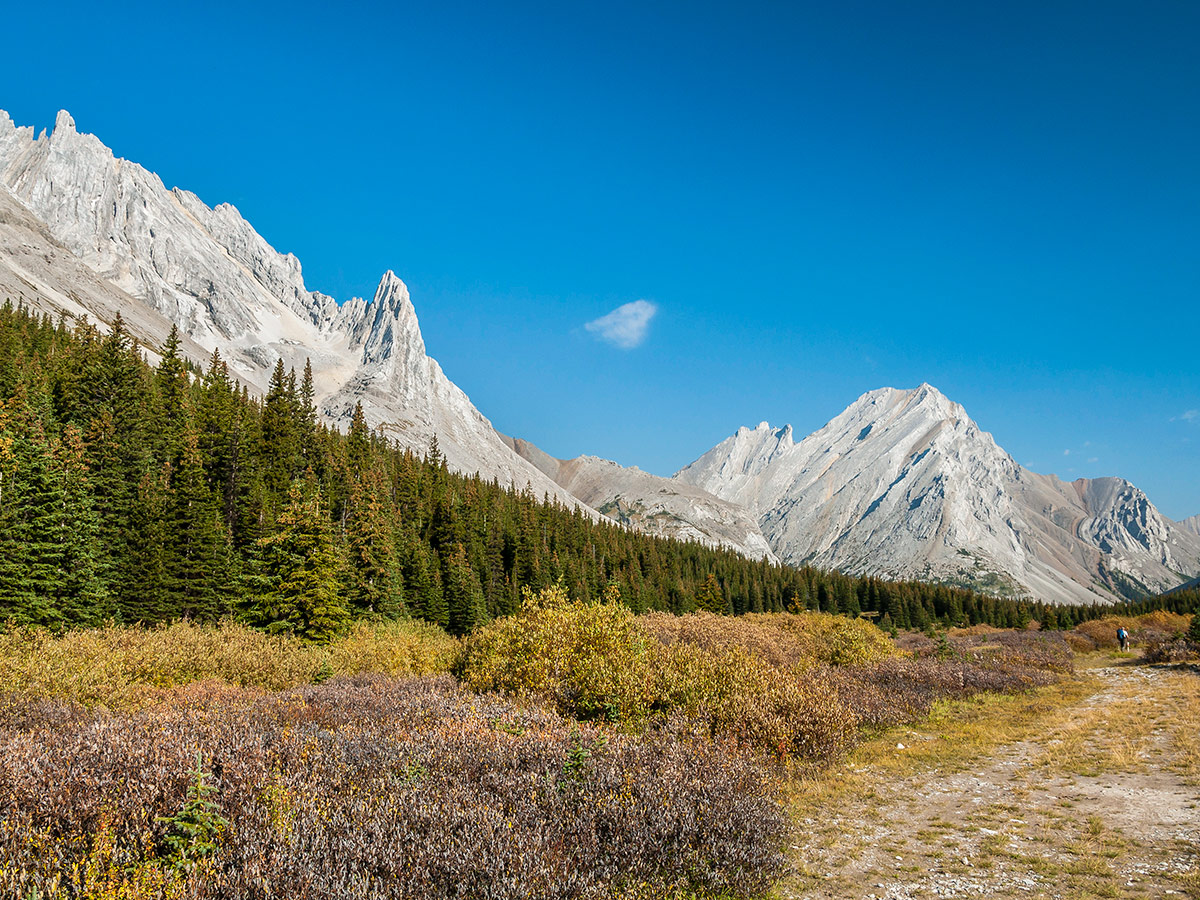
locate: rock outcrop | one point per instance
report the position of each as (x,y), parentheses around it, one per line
(1191,524)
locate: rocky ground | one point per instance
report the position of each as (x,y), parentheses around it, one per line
(1087,789)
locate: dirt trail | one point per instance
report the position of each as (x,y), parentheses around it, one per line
(1100,797)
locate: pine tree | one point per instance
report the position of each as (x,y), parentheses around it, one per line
(197,544)
(143,585)
(48,550)
(299,572)
(377,584)
(464,596)
(171,380)
(709,596)
(280,444)
(422,581)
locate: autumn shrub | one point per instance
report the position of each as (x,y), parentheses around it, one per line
(832,640)
(597,661)
(738,696)
(787,640)
(960,664)
(1017,653)
(585,660)
(1175,647)
(1172,650)
(981,628)
(894,691)
(122,666)
(407,647)
(721,634)
(1101,634)
(373,787)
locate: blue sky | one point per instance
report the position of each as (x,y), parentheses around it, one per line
(812,200)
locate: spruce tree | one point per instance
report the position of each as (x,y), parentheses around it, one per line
(709,597)
(377,585)
(300,571)
(464,596)
(422,580)
(48,548)
(143,592)
(197,544)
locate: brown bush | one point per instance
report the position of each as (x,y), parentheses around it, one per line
(832,640)
(599,661)
(722,634)
(375,788)
(900,691)
(973,630)
(1017,653)
(1079,642)
(1171,650)
(766,708)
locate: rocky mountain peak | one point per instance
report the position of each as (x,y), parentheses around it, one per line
(164,257)
(393,323)
(905,484)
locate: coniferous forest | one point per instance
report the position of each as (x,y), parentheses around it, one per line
(139,493)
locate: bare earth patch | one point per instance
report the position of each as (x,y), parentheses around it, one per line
(1086,789)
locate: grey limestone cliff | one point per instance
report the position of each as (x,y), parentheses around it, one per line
(904,484)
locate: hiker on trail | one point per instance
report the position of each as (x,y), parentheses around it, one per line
(1123,638)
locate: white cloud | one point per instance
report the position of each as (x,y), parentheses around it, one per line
(1066,453)
(1093,459)
(626,326)
(1190,415)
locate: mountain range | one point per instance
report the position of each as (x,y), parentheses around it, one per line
(901,484)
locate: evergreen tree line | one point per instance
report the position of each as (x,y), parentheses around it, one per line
(142,493)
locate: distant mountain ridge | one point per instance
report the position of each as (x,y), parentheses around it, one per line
(650,503)
(904,484)
(901,484)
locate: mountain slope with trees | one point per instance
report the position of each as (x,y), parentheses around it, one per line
(144,493)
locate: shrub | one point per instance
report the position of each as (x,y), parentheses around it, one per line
(599,661)
(899,691)
(376,788)
(1102,633)
(585,660)
(127,666)
(1172,650)
(409,647)
(781,639)
(833,640)
(738,696)
(1178,647)
(721,634)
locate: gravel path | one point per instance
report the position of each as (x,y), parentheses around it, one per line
(1104,804)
